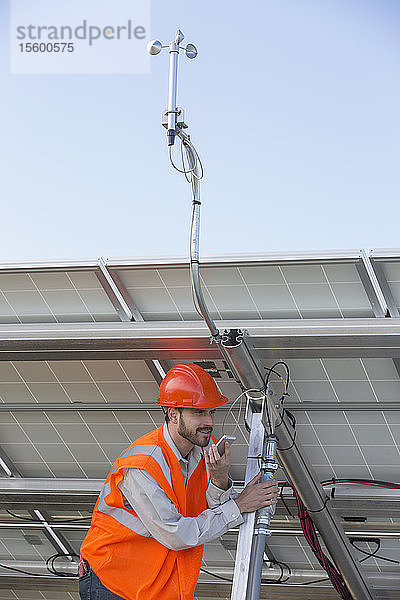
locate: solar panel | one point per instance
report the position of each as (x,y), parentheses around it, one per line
(71,441)
(53,297)
(260,291)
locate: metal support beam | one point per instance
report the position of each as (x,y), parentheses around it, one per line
(381,278)
(150,406)
(302,475)
(114,295)
(41,583)
(87,487)
(396,362)
(125,307)
(49,494)
(57,540)
(207,588)
(59,494)
(123,293)
(287,528)
(50,485)
(244,259)
(7,465)
(189,340)
(371,286)
(156,369)
(34,566)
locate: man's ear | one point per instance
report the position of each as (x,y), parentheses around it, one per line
(173,417)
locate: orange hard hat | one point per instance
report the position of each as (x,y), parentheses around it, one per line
(189,386)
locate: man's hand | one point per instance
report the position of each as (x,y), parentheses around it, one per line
(257,495)
(218,466)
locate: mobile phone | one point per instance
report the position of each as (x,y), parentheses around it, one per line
(221,443)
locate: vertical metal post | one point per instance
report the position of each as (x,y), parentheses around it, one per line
(263,517)
(245,538)
(172,88)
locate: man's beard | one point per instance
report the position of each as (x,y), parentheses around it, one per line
(194,437)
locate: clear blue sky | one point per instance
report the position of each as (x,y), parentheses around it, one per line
(293,106)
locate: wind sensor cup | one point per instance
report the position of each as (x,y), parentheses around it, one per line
(154,47)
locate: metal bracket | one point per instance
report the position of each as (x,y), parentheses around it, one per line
(180,118)
(231,338)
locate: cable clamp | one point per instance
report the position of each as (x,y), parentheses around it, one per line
(262,530)
(267,466)
(263,519)
(180,117)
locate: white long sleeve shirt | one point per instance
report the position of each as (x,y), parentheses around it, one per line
(159,517)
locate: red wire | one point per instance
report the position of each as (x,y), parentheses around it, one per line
(312,539)
(311,536)
(365,482)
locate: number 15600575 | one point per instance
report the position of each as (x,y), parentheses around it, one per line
(47,47)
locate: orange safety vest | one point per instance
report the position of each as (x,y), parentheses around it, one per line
(134,566)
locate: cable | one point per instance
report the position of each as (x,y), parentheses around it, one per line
(279,580)
(285,388)
(271,370)
(240,409)
(51,568)
(21,571)
(311,536)
(260,391)
(190,171)
(174,165)
(280,565)
(311,582)
(50,521)
(378,545)
(320,509)
(272,562)
(374,553)
(371,482)
(197,159)
(214,575)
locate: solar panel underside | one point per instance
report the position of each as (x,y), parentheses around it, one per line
(76,442)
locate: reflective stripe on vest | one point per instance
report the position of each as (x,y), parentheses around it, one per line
(153,451)
(123,516)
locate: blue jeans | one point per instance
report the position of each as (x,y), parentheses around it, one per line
(91,588)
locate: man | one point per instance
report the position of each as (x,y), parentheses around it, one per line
(166,495)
